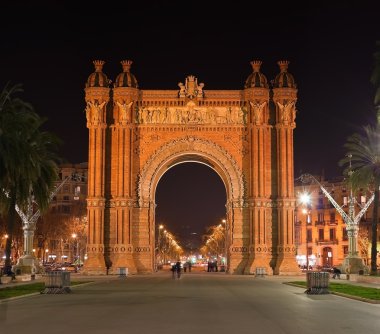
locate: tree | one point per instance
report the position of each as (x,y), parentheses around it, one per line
(28,160)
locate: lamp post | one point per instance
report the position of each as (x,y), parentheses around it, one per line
(159,246)
(353,263)
(224,221)
(27,263)
(75,238)
(46,255)
(306,200)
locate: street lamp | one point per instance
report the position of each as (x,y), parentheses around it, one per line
(75,237)
(224,221)
(353,263)
(46,255)
(159,246)
(305,199)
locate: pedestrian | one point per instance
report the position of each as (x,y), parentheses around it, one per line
(173,269)
(178,268)
(184,267)
(189,266)
(336,273)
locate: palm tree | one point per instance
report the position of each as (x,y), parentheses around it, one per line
(28,162)
(363,151)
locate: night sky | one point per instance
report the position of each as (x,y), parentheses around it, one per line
(49,46)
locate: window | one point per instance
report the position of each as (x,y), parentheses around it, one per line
(345,200)
(332,234)
(362,199)
(76,192)
(309,236)
(332,217)
(309,251)
(320,203)
(66,198)
(65,209)
(321,217)
(321,234)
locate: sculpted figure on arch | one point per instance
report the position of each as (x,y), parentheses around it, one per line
(94,112)
(124,111)
(287,112)
(258,111)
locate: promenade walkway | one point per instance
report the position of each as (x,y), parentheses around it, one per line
(198,302)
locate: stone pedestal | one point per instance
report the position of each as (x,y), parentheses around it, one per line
(26,264)
(353,264)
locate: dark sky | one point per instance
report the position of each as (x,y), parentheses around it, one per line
(49,46)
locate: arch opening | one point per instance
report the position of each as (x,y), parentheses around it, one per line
(190,199)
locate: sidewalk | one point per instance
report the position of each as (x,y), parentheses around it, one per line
(354,279)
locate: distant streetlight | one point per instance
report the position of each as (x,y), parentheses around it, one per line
(224,221)
(75,238)
(46,255)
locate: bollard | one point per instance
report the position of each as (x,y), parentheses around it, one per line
(317,282)
(57,281)
(260,272)
(123,272)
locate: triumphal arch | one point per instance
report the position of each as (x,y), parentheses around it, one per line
(136,135)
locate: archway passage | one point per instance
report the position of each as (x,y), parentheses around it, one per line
(190,199)
(245,136)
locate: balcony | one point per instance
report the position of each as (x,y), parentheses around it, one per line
(325,242)
(332,222)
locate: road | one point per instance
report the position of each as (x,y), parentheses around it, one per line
(195,303)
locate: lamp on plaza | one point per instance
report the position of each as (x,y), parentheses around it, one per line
(353,263)
(76,239)
(46,255)
(159,257)
(224,221)
(305,199)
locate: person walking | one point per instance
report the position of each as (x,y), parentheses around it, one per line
(178,269)
(336,273)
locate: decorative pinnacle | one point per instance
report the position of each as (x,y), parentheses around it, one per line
(256,65)
(126,65)
(283,65)
(98,65)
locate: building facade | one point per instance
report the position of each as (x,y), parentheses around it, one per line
(245,135)
(61,231)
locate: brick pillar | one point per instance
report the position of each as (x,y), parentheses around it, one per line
(284,98)
(256,94)
(97,97)
(122,188)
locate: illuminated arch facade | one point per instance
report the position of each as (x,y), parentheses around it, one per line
(136,135)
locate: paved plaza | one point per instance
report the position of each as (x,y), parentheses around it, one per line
(196,303)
